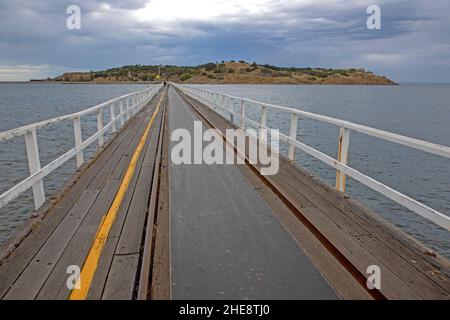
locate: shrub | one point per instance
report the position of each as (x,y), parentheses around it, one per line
(185,77)
(210,66)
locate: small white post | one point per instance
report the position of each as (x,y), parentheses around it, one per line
(101,139)
(131,106)
(128,109)
(344,142)
(242,114)
(122,116)
(293,135)
(113,117)
(34,164)
(78,140)
(262,122)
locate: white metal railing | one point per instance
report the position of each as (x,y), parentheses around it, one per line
(128,106)
(226,102)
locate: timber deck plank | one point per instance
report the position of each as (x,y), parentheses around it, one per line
(101,275)
(128,237)
(161,282)
(79,247)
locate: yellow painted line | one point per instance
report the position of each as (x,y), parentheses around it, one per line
(91,263)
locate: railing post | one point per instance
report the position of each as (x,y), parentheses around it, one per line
(131,107)
(242,114)
(122,115)
(34,164)
(113,117)
(101,139)
(262,122)
(227,104)
(78,140)
(293,135)
(128,109)
(344,142)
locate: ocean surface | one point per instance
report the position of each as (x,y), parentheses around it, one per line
(417,110)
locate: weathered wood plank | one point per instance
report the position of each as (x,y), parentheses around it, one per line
(161,283)
(140,181)
(429,283)
(98,282)
(131,237)
(80,244)
(337,234)
(144,277)
(123,269)
(132,232)
(78,248)
(32,279)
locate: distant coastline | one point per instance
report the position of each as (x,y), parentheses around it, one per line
(230,72)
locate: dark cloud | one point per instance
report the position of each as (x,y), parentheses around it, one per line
(328,33)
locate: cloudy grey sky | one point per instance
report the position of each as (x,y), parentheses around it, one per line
(412,46)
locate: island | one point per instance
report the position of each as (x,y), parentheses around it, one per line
(227,72)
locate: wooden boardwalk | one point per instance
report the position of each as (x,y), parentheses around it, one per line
(126,253)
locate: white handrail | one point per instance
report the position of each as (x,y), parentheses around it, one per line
(37,174)
(9,134)
(215,99)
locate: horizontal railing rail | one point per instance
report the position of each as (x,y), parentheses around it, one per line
(226,103)
(127,106)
